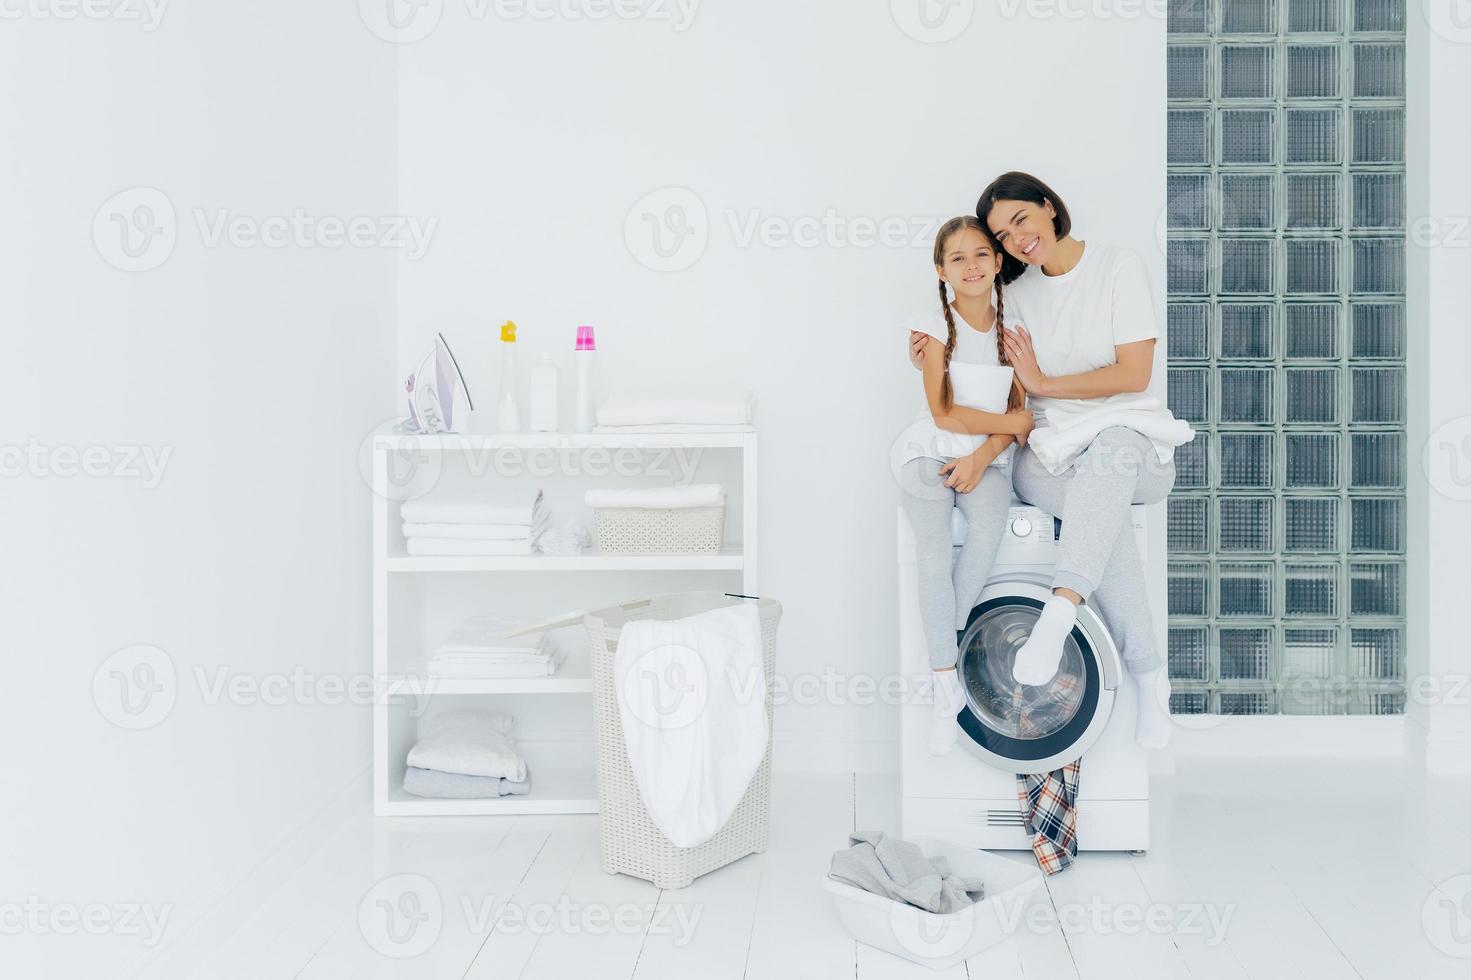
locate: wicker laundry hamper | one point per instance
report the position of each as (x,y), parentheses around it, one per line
(631,843)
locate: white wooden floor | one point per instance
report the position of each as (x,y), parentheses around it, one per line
(1312,869)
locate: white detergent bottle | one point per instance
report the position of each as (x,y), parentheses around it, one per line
(508,416)
(544,394)
(583,356)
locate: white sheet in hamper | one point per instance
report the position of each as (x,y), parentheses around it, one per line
(692,700)
(473,743)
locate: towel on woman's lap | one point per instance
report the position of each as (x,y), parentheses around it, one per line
(472,743)
(1064,435)
(899,870)
(453,786)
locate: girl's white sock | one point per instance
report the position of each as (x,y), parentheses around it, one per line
(949,698)
(1036,662)
(1152,723)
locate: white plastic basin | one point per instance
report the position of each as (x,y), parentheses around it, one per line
(942,941)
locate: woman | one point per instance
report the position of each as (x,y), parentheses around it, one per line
(958,454)
(1101,443)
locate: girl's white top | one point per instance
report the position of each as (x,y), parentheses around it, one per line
(978,379)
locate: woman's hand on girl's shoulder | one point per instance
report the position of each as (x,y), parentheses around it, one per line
(1022,356)
(917,340)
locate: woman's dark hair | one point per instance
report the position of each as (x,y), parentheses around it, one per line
(1017,186)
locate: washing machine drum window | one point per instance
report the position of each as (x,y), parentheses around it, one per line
(1025,728)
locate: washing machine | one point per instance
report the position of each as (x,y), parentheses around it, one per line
(1087,710)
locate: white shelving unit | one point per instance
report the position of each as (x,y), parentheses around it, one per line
(417,600)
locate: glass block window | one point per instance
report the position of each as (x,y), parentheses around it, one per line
(1286,342)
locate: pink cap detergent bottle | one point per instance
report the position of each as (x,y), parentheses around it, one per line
(583,355)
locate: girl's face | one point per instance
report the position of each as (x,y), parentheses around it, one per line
(970,264)
(1024,229)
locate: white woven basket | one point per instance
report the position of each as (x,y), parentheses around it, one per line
(631,843)
(659,530)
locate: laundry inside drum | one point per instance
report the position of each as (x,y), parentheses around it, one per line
(1021,711)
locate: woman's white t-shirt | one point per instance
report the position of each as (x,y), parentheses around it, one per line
(978,379)
(1077,318)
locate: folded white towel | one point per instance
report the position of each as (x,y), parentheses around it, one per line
(693,495)
(433,508)
(478,659)
(475,532)
(460,546)
(1059,443)
(473,743)
(720,405)
(485,632)
(696,734)
(672,427)
(543,666)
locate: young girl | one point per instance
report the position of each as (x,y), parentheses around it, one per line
(959,456)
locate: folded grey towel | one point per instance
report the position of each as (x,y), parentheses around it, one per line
(456,786)
(899,870)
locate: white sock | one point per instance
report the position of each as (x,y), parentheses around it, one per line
(1036,661)
(948,699)
(1152,726)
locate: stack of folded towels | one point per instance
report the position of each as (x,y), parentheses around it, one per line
(711,409)
(466,755)
(446,524)
(479,647)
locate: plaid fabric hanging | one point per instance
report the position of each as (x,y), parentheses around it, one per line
(1049,803)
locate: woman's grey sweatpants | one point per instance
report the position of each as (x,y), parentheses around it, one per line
(946,595)
(1098,557)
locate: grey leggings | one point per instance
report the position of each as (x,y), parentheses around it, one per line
(1098,557)
(946,596)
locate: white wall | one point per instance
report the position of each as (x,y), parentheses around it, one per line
(1439,293)
(534,142)
(259,370)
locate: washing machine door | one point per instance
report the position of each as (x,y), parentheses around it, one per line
(1017,727)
